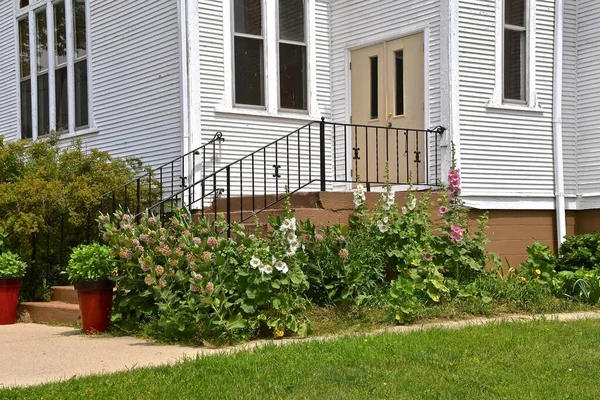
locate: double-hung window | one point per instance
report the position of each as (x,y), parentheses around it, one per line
(515,50)
(257,25)
(292,55)
(53,66)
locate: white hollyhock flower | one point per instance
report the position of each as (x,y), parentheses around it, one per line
(255,262)
(266,269)
(285,225)
(404,210)
(383,228)
(291,237)
(293,223)
(291,252)
(413,204)
(281,267)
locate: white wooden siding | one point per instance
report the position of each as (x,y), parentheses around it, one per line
(244,130)
(361,22)
(135,79)
(569,104)
(8,72)
(588,100)
(503,152)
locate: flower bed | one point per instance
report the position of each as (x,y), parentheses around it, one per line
(183,280)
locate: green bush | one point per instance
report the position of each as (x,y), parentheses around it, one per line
(11,266)
(574,274)
(579,251)
(90,262)
(47,193)
(184,280)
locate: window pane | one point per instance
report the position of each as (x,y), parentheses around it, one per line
(24,48)
(400,82)
(292,72)
(248,17)
(24,3)
(60,31)
(514,65)
(80,29)
(42,41)
(43,105)
(81,94)
(374,87)
(62,103)
(291,20)
(514,12)
(249,86)
(26,128)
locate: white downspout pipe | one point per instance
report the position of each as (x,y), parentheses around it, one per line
(559,182)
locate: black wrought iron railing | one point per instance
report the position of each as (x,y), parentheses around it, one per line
(316,156)
(163,184)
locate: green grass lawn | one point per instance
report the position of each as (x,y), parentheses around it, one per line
(535,360)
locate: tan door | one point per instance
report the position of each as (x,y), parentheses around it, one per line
(387,93)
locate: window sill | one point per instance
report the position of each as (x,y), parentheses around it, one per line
(300,116)
(79,133)
(515,107)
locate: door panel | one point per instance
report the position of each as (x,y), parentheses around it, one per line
(396,102)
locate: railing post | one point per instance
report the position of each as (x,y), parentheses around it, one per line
(228,201)
(322,153)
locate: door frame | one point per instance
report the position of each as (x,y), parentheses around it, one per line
(359,44)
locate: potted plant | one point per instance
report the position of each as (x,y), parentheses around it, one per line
(90,269)
(12,270)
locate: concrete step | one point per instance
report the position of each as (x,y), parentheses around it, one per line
(64,294)
(51,312)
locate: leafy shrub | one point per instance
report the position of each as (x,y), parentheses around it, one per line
(341,263)
(90,262)
(46,193)
(11,266)
(579,251)
(574,275)
(187,280)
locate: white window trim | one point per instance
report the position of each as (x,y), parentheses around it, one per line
(497,100)
(30,12)
(271,76)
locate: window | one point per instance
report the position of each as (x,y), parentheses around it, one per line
(515,50)
(269,39)
(374,87)
(292,55)
(53,68)
(249,53)
(400,82)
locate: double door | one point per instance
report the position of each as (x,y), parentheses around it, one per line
(387,99)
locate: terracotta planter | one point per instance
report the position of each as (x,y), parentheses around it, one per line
(95,303)
(9,299)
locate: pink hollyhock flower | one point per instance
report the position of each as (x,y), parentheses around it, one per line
(456,233)
(427,257)
(443,210)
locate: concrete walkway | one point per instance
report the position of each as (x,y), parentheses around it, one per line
(32,354)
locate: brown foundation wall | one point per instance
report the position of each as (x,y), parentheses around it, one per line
(511,231)
(587,221)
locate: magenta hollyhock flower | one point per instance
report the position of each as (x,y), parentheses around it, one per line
(443,210)
(456,233)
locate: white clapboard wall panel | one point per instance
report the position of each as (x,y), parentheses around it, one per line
(503,152)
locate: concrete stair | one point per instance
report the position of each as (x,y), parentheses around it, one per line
(322,208)
(63,309)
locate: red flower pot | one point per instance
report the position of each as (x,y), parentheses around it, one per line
(9,300)
(95,303)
